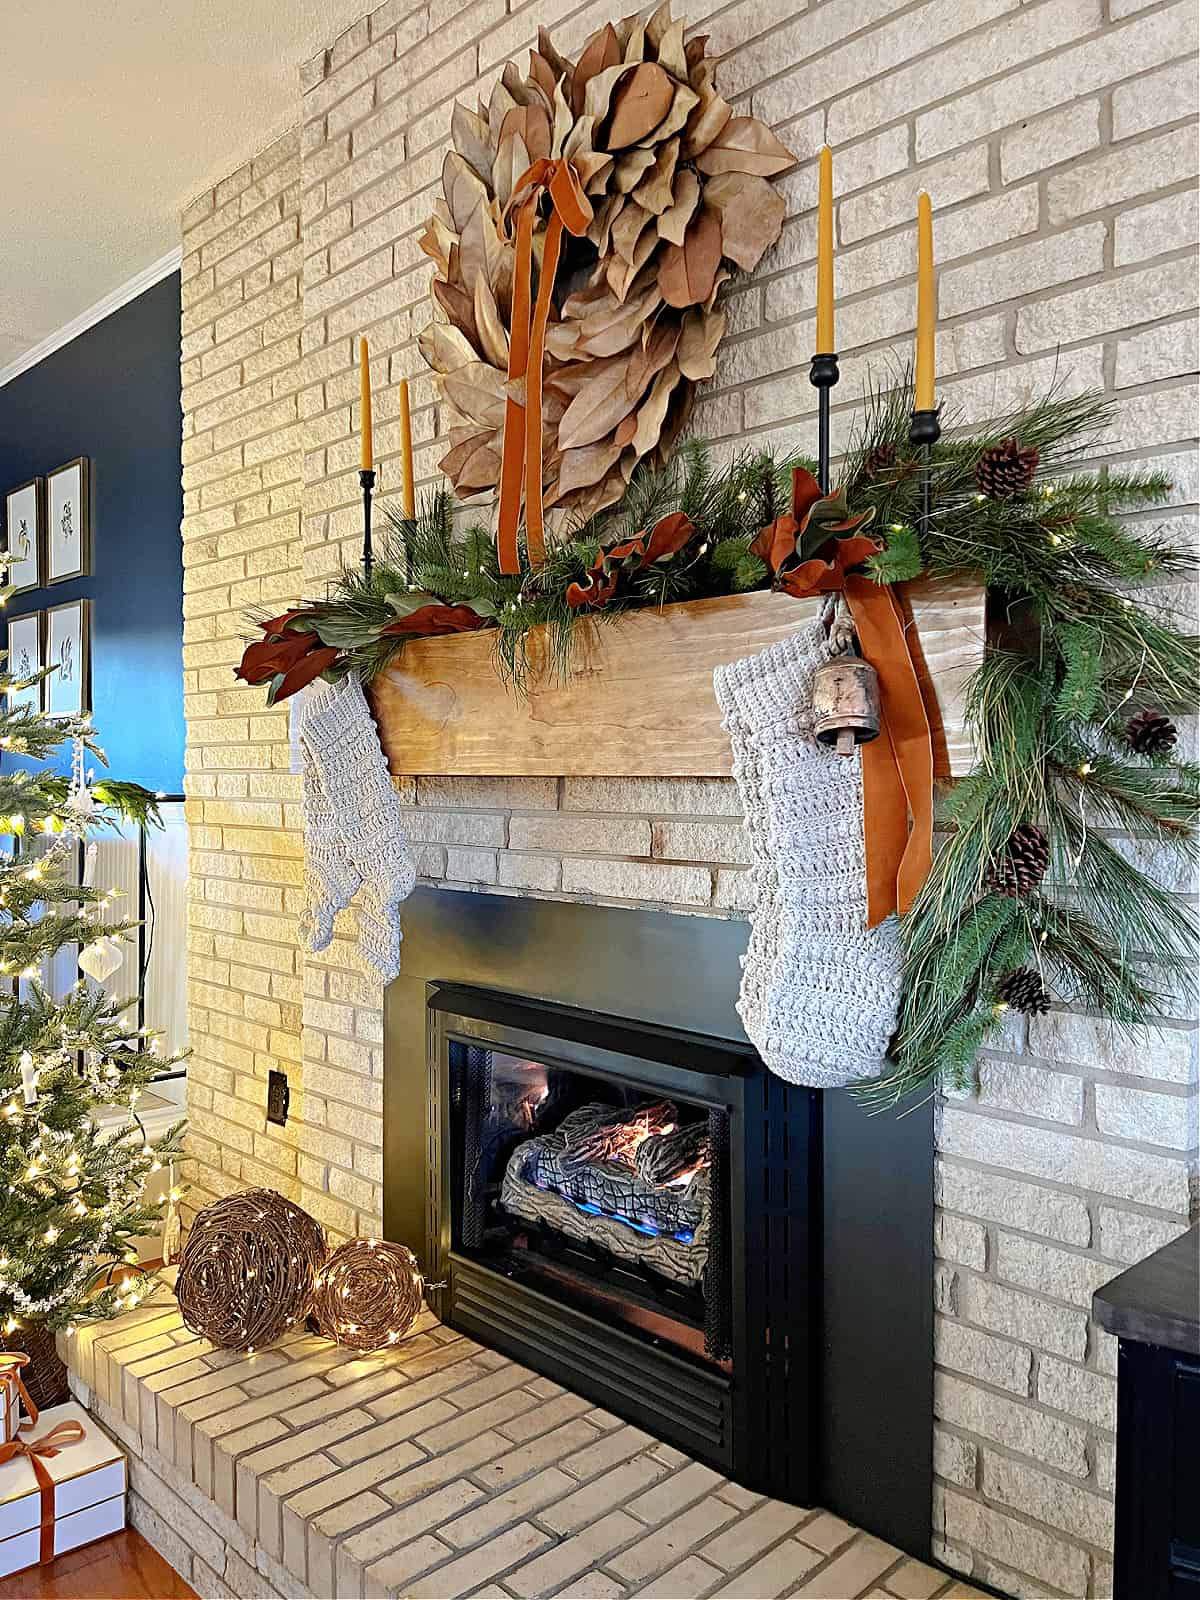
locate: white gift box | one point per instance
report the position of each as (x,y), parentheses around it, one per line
(11,1387)
(86,1500)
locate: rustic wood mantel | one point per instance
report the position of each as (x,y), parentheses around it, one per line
(637,700)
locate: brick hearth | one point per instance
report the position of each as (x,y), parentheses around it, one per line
(436,1470)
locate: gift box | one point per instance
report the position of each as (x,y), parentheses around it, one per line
(13,1394)
(62,1484)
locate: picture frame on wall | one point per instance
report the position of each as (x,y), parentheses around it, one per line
(68,522)
(26,656)
(68,648)
(23,530)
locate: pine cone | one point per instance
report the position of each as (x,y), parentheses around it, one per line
(880,460)
(1023,991)
(1022,864)
(1151,734)
(1006,469)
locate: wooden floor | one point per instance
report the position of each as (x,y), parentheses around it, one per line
(122,1567)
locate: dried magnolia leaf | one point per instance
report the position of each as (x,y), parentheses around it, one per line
(705,124)
(628,228)
(721,276)
(621,274)
(531,124)
(639,104)
(670,51)
(602,51)
(474,464)
(563,122)
(472,139)
(657,25)
(683,103)
(463,189)
(653,410)
(699,337)
(586,466)
(493,338)
(511,165)
(559,64)
(693,52)
(541,74)
(600,91)
(635,42)
(445,348)
(606,335)
(654,191)
(458,306)
(688,269)
(630,168)
(500,103)
(745,144)
(477,390)
(685,194)
(600,228)
(751,213)
(606,397)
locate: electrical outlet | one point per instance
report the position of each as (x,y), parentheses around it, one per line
(278,1097)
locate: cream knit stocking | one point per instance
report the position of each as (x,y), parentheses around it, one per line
(820,992)
(354,826)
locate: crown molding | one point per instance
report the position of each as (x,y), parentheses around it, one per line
(138,284)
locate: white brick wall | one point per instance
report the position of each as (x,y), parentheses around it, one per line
(1058,140)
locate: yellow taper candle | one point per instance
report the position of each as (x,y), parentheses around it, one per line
(364,373)
(926,316)
(407,497)
(825,344)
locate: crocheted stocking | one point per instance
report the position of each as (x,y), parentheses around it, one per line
(820,992)
(354,826)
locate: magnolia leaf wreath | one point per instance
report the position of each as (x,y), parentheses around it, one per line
(629,183)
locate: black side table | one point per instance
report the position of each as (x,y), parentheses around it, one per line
(1154,1310)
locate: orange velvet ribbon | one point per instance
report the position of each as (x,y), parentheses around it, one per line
(897,767)
(521,461)
(11,1362)
(63,1433)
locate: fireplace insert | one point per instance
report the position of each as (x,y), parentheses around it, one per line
(633,1210)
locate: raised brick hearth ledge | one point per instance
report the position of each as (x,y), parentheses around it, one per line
(435,1470)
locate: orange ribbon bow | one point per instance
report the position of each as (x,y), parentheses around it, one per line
(897,767)
(49,1445)
(11,1362)
(521,461)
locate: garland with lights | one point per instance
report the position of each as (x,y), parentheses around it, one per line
(1070,713)
(71,1190)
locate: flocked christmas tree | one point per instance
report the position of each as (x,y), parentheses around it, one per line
(74,1157)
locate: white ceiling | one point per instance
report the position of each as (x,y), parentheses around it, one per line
(115,113)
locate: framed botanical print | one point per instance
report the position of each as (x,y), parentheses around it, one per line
(68,651)
(68,522)
(25,658)
(23,532)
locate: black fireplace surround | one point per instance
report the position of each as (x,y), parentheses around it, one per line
(767,1308)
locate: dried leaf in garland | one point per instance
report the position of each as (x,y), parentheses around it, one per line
(679,191)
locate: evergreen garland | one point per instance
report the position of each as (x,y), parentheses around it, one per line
(1072,657)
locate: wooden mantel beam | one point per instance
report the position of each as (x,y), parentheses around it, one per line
(637,700)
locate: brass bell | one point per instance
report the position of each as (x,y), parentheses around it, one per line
(845,703)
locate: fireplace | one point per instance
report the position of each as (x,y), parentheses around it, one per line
(634,1211)
(605,1183)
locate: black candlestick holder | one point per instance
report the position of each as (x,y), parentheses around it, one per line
(367,479)
(924,432)
(823,374)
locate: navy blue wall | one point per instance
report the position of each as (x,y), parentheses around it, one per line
(112,395)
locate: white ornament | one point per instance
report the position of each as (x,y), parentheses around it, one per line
(102,957)
(28,1078)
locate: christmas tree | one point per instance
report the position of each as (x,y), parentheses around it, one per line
(74,1157)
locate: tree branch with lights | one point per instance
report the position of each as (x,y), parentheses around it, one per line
(72,1184)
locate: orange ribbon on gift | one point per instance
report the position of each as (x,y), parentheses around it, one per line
(49,1445)
(521,461)
(11,1362)
(897,767)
